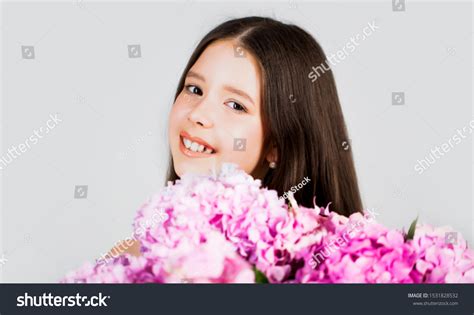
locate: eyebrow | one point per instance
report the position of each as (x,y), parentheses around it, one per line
(229,88)
(193,74)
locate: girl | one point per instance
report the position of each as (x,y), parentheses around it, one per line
(246,96)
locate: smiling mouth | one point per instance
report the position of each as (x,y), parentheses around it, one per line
(195,146)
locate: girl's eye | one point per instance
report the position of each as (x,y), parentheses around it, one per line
(193,89)
(236,106)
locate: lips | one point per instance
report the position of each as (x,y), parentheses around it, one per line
(195,146)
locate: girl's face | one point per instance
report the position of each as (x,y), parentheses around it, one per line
(216,118)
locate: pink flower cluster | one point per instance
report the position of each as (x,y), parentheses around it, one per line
(207,258)
(218,228)
(376,254)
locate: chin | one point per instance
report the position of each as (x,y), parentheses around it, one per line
(185,168)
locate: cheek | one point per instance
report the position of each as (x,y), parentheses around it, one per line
(176,117)
(244,146)
(172,119)
(255,143)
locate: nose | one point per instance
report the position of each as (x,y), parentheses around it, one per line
(199,115)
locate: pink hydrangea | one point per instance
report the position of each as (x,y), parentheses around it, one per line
(217,228)
(255,221)
(376,254)
(210,259)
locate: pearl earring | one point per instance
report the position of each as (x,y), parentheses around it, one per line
(272,165)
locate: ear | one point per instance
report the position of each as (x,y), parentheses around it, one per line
(272,155)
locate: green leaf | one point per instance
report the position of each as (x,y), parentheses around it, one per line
(411,230)
(259,276)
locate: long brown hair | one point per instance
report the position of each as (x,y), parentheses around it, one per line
(301,118)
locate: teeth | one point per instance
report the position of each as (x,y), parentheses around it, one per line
(187,143)
(195,147)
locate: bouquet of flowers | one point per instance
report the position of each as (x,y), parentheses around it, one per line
(226,228)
